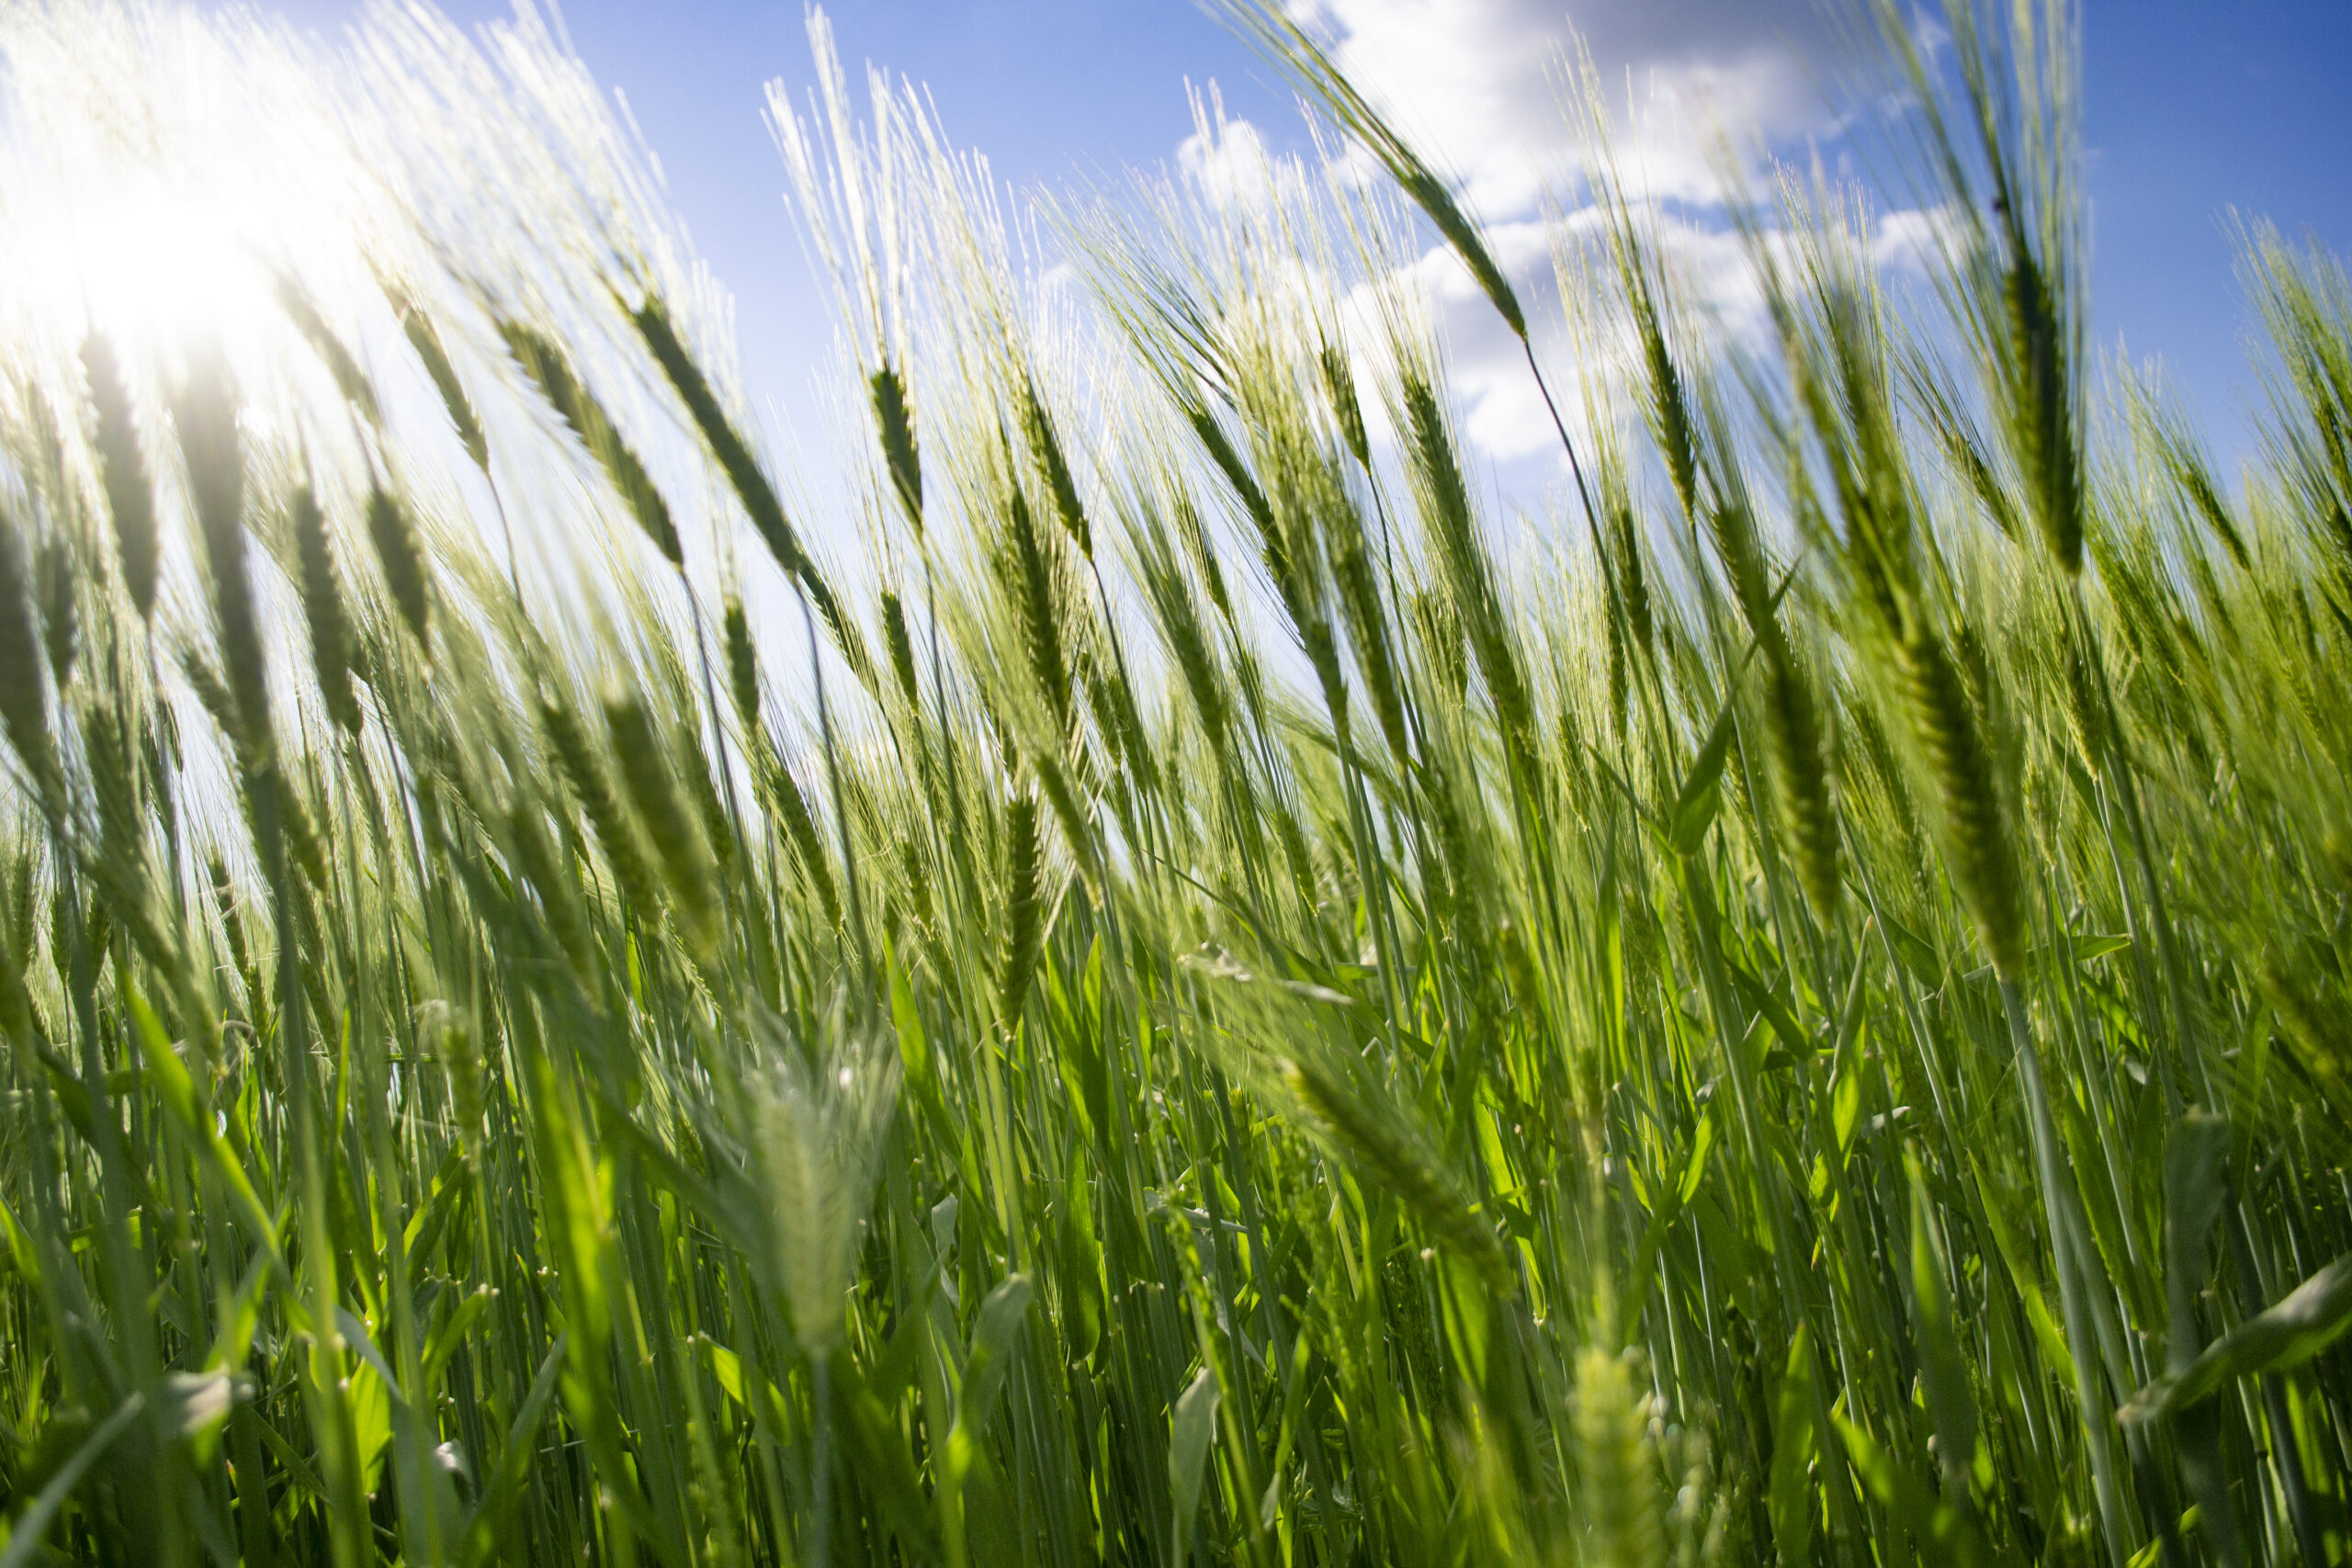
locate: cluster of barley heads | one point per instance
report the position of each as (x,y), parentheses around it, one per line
(1125,972)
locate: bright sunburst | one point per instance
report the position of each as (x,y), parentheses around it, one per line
(173,207)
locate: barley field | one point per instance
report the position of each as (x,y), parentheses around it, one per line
(1146,974)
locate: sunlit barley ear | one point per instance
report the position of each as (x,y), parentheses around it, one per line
(212,695)
(425,340)
(1440,631)
(896,423)
(542,867)
(204,409)
(1046,445)
(1193,536)
(1340,386)
(1625,533)
(1287,45)
(1229,461)
(304,846)
(349,379)
(1977,849)
(820,1118)
(679,842)
(1381,1153)
(322,609)
(1808,810)
(1617,1480)
(702,786)
(1024,911)
(544,363)
(1360,602)
(403,561)
(901,646)
(742,664)
(1043,613)
(1179,615)
(580,763)
(122,470)
(114,782)
(443,1036)
(2080,678)
(55,576)
(1444,498)
(24,695)
(735,458)
(2041,412)
(783,793)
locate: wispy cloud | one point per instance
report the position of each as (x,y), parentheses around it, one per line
(1485,85)
(1489,91)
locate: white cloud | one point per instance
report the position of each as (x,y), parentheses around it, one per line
(1912,239)
(1482,89)
(1482,86)
(1226,159)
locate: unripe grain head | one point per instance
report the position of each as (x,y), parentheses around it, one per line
(122,469)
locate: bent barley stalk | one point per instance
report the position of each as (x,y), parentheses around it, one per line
(1695,1089)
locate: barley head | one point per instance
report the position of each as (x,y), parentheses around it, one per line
(323,608)
(679,843)
(895,422)
(401,558)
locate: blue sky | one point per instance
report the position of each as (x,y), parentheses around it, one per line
(2189,109)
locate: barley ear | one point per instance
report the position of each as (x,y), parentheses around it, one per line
(1615,1474)
(735,459)
(895,422)
(397,552)
(559,896)
(1792,732)
(23,694)
(1340,386)
(122,470)
(349,379)
(679,844)
(204,410)
(1046,446)
(426,343)
(901,646)
(783,793)
(544,363)
(1945,721)
(56,580)
(322,609)
(1025,910)
(583,771)
(1042,612)
(742,664)
(1287,46)
(1380,1154)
